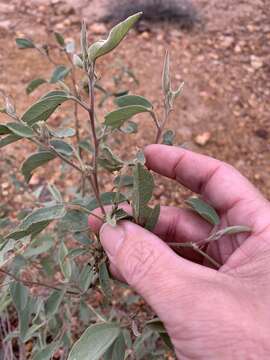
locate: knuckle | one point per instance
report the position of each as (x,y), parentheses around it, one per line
(140,258)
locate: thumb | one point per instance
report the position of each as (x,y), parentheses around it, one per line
(148,265)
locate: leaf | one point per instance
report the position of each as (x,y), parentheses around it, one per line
(104,280)
(64,261)
(19,294)
(116,35)
(128,100)
(43,245)
(152,218)
(43,108)
(34,84)
(206,211)
(25,43)
(122,181)
(47,352)
(107,198)
(59,38)
(130,127)
(4,130)
(62,132)
(116,118)
(142,191)
(53,302)
(230,230)
(62,147)
(34,161)
(77,252)
(85,278)
(168,137)
(20,129)
(109,161)
(94,342)
(117,349)
(9,140)
(59,73)
(55,193)
(86,146)
(37,220)
(157,325)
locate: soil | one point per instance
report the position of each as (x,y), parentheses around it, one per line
(224,61)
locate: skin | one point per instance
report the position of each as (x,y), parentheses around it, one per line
(208,313)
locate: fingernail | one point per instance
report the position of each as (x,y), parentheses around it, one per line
(111,238)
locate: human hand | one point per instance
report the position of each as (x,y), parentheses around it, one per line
(208,314)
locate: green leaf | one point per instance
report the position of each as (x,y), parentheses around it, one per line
(53,302)
(85,278)
(117,349)
(9,140)
(64,261)
(94,342)
(20,129)
(206,211)
(55,193)
(168,137)
(123,181)
(47,352)
(59,38)
(129,127)
(34,161)
(142,192)
(73,253)
(62,132)
(43,108)
(108,198)
(34,84)
(37,221)
(41,246)
(25,43)
(4,130)
(116,118)
(86,146)
(59,73)
(152,218)
(157,325)
(116,35)
(109,161)
(104,280)
(128,100)
(62,147)
(19,294)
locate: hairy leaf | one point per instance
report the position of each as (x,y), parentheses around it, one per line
(47,352)
(53,302)
(62,147)
(129,127)
(117,118)
(152,218)
(109,161)
(128,100)
(20,129)
(43,108)
(59,73)
(9,139)
(116,35)
(157,325)
(62,132)
(94,342)
(34,161)
(117,349)
(59,38)
(104,280)
(19,294)
(64,261)
(37,221)
(34,84)
(142,192)
(85,278)
(204,210)
(25,43)
(168,137)
(230,230)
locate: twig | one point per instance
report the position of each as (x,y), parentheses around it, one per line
(198,250)
(36,283)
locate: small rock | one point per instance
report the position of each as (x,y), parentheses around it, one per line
(5,25)
(145,35)
(262,133)
(256,62)
(226,42)
(98,29)
(202,139)
(238,49)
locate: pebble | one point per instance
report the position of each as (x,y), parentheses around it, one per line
(256,62)
(98,29)
(226,42)
(203,139)
(5,25)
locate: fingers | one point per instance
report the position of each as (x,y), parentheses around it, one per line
(174,225)
(151,267)
(218,182)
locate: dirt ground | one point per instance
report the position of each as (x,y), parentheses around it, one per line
(225,63)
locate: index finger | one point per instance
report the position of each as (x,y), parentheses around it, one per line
(219,183)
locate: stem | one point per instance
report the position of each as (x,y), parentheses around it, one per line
(36,283)
(91,112)
(162,126)
(198,250)
(98,315)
